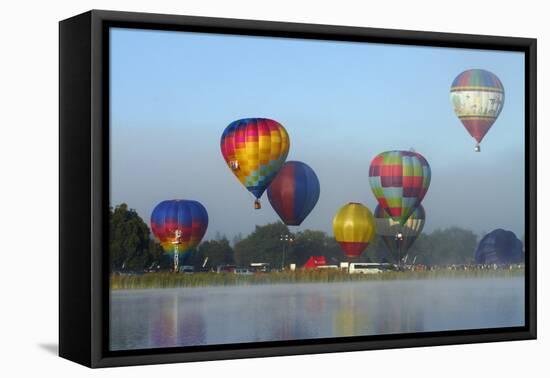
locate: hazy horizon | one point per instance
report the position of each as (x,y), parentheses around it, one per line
(342,103)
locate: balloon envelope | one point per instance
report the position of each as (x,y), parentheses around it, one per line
(354,227)
(294,192)
(399,181)
(388,229)
(499,247)
(255,149)
(186,217)
(477,97)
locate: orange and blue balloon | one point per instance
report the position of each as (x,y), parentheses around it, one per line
(181,222)
(294,192)
(255,149)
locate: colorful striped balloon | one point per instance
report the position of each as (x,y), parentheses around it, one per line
(255,149)
(294,192)
(387,228)
(477,97)
(399,181)
(354,228)
(186,217)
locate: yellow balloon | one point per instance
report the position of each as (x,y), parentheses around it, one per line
(354,227)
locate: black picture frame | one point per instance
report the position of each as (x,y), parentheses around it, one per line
(84,186)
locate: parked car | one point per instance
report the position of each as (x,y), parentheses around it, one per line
(328,267)
(370,268)
(260,267)
(244,271)
(187,269)
(226,269)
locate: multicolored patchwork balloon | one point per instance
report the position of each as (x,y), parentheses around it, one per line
(399,238)
(354,228)
(477,97)
(294,192)
(179,222)
(399,181)
(255,149)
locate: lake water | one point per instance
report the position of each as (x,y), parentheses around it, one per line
(236,314)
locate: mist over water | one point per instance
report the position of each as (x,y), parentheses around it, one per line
(238,314)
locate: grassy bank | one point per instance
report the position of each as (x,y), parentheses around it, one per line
(170,280)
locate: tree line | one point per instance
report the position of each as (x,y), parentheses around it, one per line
(133,248)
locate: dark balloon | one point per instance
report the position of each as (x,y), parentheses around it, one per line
(387,229)
(499,247)
(294,192)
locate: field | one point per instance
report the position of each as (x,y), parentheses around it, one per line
(171,280)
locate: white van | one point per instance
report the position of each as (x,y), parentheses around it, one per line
(327,267)
(367,268)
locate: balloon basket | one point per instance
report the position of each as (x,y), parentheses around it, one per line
(257,205)
(477,148)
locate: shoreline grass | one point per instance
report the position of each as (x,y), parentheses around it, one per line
(171,280)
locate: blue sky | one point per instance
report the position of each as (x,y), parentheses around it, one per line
(173,94)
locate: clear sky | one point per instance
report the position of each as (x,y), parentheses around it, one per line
(173,94)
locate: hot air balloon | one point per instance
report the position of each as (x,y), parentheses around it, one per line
(294,192)
(255,149)
(477,97)
(499,247)
(179,225)
(399,181)
(399,238)
(354,227)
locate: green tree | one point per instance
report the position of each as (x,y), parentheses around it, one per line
(443,247)
(307,243)
(130,247)
(262,245)
(218,252)
(159,259)
(237,238)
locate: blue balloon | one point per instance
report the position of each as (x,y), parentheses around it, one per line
(499,247)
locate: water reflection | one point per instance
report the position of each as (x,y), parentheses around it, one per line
(218,315)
